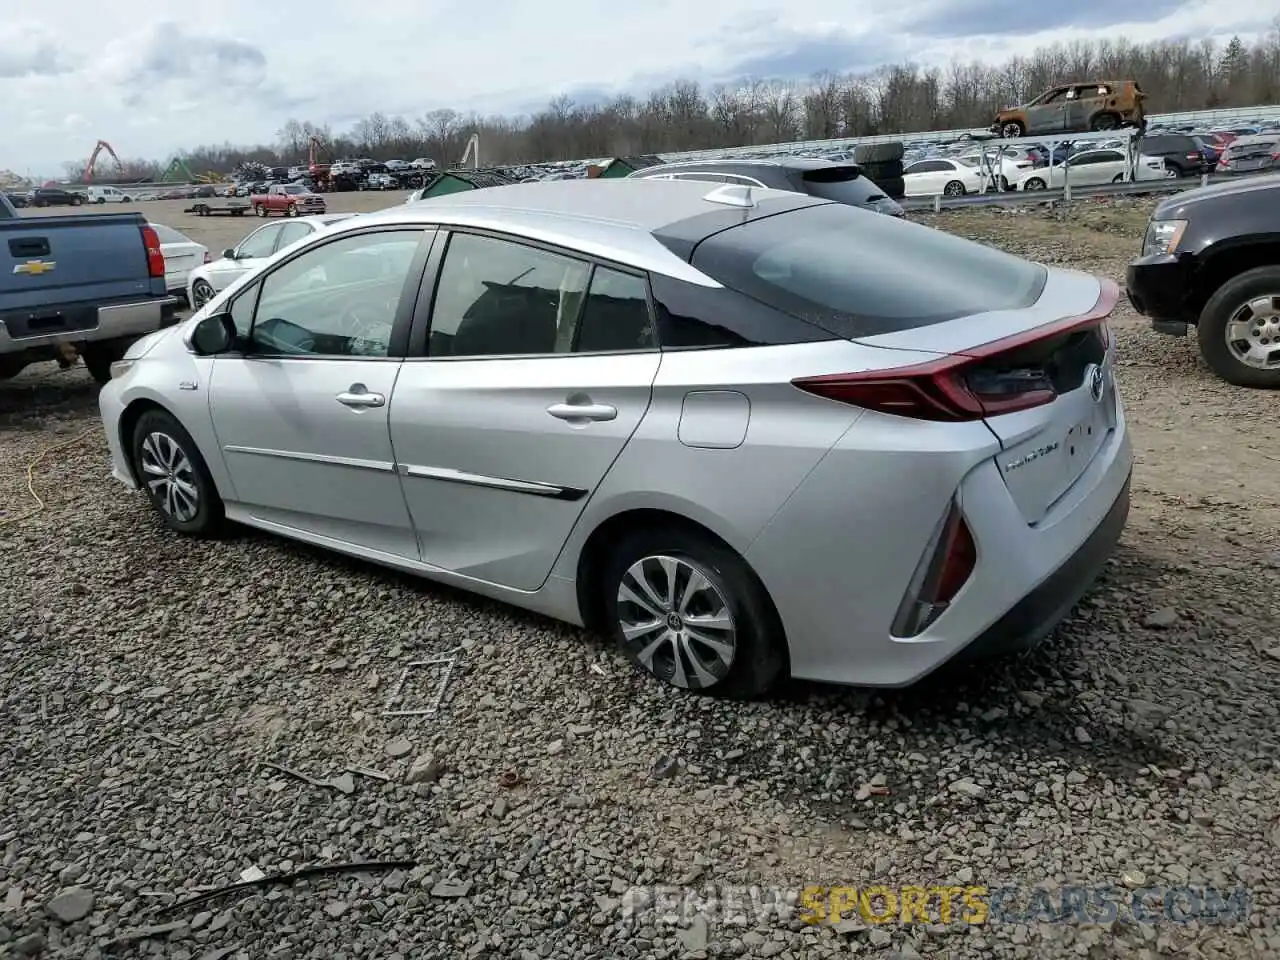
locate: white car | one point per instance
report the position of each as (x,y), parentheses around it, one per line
(941,175)
(1089,168)
(423,163)
(207,281)
(106,195)
(1007,163)
(181,256)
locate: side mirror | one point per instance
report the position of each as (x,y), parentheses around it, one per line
(214,334)
(229,254)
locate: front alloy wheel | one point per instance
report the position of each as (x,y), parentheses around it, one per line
(168,467)
(169,477)
(675,622)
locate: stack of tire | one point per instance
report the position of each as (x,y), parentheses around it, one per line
(881,163)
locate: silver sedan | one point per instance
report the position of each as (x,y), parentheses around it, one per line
(746,432)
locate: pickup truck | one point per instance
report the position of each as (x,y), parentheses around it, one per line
(87,284)
(291,199)
(1211,260)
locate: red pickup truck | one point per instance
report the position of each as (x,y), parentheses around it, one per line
(291,199)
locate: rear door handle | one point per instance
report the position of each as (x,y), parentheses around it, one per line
(583,411)
(361,399)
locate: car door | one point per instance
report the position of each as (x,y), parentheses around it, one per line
(248,255)
(924,178)
(1049,114)
(530,376)
(301,412)
(1080,108)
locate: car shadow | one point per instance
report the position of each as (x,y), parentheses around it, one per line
(43,391)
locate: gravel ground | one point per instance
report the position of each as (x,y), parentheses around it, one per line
(147,679)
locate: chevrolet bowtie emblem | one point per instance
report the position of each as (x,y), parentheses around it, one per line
(34,268)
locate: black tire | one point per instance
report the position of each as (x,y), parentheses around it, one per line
(1104,121)
(260,210)
(954,188)
(887,170)
(878,152)
(101,200)
(1033,183)
(1012,129)
(895,188)
(98,360)
(293,210)
(758,646)
(1211,330)
(207,518)
(1172,171)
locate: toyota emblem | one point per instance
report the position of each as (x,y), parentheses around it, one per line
(1097,383)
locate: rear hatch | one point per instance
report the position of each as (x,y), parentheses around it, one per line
(1020,346)
(1248,156)
(72,259)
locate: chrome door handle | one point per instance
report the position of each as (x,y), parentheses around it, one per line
(582,411)
(361,399)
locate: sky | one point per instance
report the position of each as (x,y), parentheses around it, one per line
(179,74)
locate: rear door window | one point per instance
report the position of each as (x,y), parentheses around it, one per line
(859,276)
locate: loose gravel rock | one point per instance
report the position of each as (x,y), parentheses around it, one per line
(147,678)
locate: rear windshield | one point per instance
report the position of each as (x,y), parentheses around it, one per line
(856,273)
(841,184)
(168,234)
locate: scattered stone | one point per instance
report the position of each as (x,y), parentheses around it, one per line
(398,748)
(663,768)
(71,905)
(451,888)
(426,769)
(1161,619)
(967,788)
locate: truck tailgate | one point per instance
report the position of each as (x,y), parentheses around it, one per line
(69,259)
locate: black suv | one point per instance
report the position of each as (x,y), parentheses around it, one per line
(827,179)
(53,197)
(1182,154)
(1209,260)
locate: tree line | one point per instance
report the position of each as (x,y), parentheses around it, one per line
(1177,75)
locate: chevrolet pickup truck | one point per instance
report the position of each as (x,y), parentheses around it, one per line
(83,284)
(291,199)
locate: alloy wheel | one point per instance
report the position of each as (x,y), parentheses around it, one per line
(201,293)
(1253,333)
(169,477)
(675,622)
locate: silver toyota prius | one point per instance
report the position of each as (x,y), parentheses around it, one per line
(749,433)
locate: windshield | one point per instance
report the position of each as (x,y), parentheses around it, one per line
(856,273)
(295,188)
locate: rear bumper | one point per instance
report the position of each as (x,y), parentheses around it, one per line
(84,323)
(1034,617)
(837,580)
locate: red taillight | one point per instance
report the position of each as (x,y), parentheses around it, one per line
(940,391)
(1195,156)
(155,258)
(945,567)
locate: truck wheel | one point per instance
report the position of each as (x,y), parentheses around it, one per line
(1239,330)
(259,209)
(169,468)
(293,210)
(1013,128)
(98,358)
(1105,121)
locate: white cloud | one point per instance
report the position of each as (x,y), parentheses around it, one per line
(237,69)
